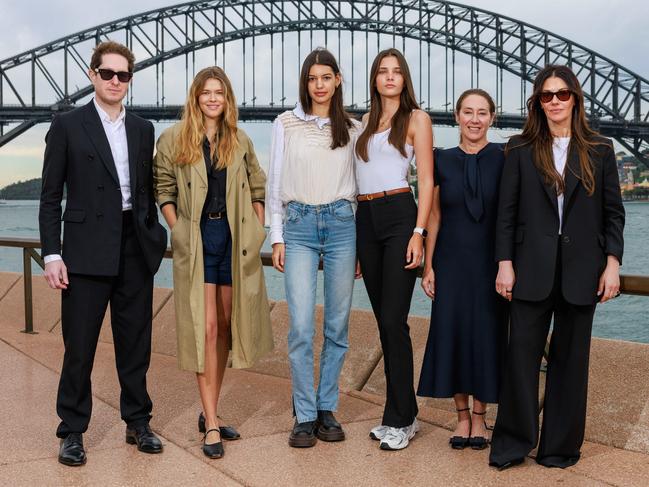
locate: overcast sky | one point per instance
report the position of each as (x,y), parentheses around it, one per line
(617,29)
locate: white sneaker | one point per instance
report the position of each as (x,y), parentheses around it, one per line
(377,433)
(398,438)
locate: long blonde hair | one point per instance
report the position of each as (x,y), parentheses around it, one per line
(189,146)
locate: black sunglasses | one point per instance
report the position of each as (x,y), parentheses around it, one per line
(108,74)
(562,95)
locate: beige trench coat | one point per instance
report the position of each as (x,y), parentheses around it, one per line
(186,186)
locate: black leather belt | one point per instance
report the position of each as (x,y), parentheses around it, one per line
(216,216)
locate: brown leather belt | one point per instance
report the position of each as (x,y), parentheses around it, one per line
(381,194)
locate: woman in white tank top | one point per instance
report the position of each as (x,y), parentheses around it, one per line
(390,228)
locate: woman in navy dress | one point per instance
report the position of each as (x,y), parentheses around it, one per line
(467,328)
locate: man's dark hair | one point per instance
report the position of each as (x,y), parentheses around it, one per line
(111,47)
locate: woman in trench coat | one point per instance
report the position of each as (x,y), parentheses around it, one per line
(219,171)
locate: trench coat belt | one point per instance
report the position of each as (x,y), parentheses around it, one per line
(381,194)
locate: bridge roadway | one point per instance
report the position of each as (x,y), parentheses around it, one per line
(260,113)
(257,401)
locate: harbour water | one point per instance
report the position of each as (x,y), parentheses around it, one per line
(625,318)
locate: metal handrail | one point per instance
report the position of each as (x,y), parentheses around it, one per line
(629,284)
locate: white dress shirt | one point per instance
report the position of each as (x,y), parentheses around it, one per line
(116,135)
(560,151)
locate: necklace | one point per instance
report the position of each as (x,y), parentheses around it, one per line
(385,123)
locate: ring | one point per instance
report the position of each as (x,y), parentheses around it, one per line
(509,291)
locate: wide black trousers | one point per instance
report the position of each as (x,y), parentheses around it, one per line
(84,305)
(383,229)
(564,413)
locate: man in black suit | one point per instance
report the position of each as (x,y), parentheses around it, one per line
(112,247)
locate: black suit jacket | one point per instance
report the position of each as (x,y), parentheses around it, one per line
(528,223)
(78,156)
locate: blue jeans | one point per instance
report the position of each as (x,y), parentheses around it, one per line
(309,232)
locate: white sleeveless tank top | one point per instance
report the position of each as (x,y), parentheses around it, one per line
(386,168)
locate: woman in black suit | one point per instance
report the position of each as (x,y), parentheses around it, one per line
(559,247)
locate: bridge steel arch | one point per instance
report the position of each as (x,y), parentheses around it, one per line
(617,98)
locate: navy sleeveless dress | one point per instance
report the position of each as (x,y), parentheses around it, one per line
(468,318)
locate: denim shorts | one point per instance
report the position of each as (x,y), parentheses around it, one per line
(217,251)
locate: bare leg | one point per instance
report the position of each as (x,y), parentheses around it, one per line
(463,427)
(208,380)
(477,420)
(224,316)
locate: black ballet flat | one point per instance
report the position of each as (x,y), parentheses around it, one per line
(227,432)
(459,442)
(479,442)
(213,450)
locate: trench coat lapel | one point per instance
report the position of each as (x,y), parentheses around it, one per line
(199,169)
(237,160)
(95,130)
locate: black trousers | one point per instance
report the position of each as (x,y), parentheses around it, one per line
(564,413)
(383,229)
(84,304)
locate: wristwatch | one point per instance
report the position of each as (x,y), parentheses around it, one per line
(421,231)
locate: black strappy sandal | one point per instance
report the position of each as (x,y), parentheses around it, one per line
(460,442)
(479,442)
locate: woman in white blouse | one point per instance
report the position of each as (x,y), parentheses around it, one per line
(311,188)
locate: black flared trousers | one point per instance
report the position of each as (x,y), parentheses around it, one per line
(566,387)
(383,229)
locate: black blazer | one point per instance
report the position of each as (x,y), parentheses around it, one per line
(528,223)
(78,156)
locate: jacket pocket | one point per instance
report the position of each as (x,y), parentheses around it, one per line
(74,216)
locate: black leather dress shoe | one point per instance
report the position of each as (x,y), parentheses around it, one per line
(303,434)
(71,452)
(227,432)
(328,428)
(144,438)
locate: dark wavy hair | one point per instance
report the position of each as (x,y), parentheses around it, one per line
(340,120)
(536,131)
(400,120)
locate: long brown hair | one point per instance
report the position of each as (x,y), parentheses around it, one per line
(478,92)
(407,103)
(536,131)
(189,148)
(340,120)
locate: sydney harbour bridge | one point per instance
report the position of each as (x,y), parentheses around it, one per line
(261,44)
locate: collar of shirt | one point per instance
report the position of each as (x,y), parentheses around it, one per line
(299,112)
(105,117)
